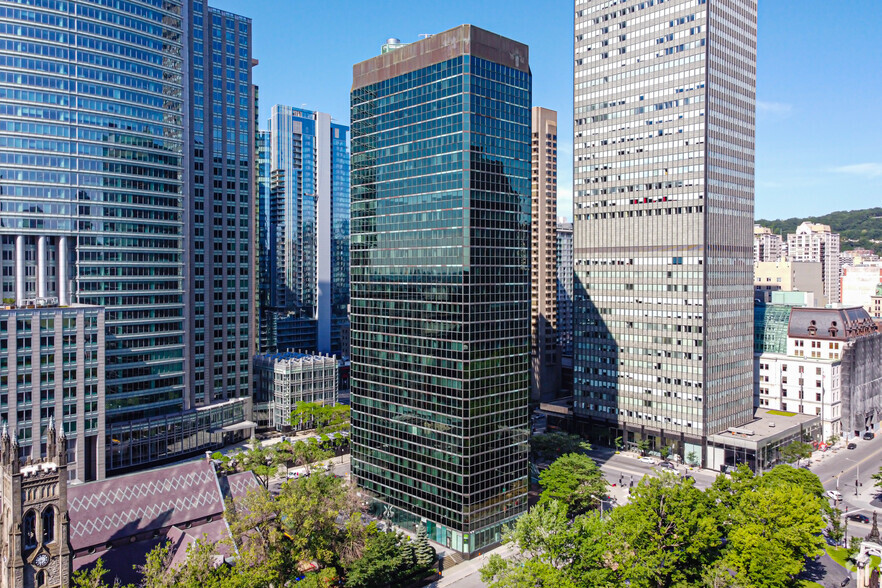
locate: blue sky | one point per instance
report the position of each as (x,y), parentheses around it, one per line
(819,88)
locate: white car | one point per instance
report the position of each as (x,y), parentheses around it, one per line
(834,494)
(297,473)
(647,460)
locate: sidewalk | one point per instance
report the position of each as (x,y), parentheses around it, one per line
(468,571)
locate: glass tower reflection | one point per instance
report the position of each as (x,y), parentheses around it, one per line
(440,283)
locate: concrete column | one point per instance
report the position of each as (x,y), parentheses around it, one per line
(41,266)
(19,270)
(61,261)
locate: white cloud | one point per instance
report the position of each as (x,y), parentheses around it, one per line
(780,108)
(868,170)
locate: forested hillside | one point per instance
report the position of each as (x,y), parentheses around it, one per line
(857,228)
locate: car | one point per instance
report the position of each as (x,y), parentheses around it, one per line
(851,446)
(647,460)
(858,518)
(845,581)
(834,494)
(667,465)
(869,435)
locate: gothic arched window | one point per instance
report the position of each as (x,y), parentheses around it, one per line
(48,525)
(29,530)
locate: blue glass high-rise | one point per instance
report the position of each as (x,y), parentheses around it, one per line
(99,104)
(306,185)
(440,283)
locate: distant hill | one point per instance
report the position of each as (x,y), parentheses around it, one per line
(857,228)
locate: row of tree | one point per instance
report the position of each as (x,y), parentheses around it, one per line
(331,424)
(744,531)
(316,523)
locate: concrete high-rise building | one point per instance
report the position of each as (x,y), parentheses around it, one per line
(545,353)
(663,205)
(565,288)
(441,284)
(789,276)
(308,231)
(52,364)
(565,304)
(859,283)
(767,246)
(101,207)
(219,210)
(816,242)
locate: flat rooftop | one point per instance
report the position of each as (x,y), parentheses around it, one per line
(766,425)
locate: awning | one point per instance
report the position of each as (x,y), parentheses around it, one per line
(235,427)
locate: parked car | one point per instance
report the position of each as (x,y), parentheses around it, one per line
(851,446)
(297,473)
(869,435)
(834,494)
(858,518)
(647,460)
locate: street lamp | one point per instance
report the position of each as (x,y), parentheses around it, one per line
(858,476)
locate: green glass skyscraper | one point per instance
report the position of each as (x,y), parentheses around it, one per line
(440,283)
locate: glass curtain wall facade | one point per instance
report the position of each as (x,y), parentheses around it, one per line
(440,283)
(98,207)
(664,111)
(92,144)
(262,247)
(308,231)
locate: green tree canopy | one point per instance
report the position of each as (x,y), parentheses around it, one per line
(553,445)
(795,452)
(575,480)
(745,531)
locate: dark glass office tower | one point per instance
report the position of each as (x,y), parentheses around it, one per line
(440,282)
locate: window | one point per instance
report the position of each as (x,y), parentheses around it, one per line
(48,525)
(29,530)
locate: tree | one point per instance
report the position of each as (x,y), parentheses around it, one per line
(665,452)
(425,553)
(620,443)
(878,477)
(275,535)
(308,452)
(325,418)
(692,458)
(575,480)
(503,573)
(836,532)
(283,454)
(259,460)
(388,560)
(776,529)
(91,578)
(552,551)
(795,452)
(643,446)
(784,474)
(666,536)
(553,445)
